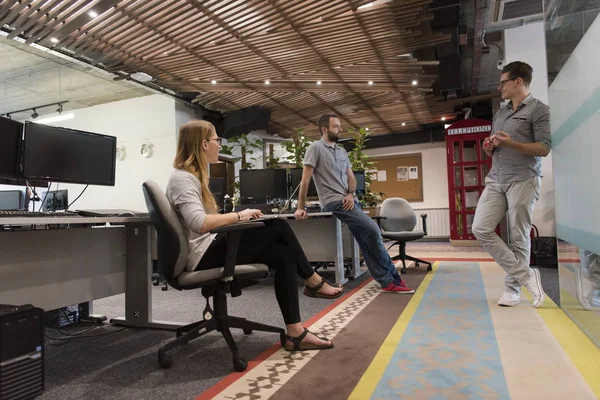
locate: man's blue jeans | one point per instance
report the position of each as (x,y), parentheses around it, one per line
(367,234)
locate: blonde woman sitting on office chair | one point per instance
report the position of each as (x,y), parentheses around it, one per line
(274,245)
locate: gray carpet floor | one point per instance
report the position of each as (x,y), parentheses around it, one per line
(115,363)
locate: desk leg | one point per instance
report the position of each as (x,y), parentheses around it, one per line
(355,260)
(138,282)
(339,253)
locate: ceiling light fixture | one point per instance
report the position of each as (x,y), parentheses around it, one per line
(56,118)
(415,83)
(366,129)
(141,77)
(404,124)
(443,118)
(93,14)
(267,82)
(370,82)
(213,82)
(318,82)
(54,40)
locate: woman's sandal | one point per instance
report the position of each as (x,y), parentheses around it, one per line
(299,345)
(314,291)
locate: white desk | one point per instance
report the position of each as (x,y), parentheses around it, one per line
(53,268)
(324,239)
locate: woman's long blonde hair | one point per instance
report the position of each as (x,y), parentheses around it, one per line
(190,157)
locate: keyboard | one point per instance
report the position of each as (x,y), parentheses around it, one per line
(36,214)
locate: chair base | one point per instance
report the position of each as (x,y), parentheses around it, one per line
(220,321)
(403,257)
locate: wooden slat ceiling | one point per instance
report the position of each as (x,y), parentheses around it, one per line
(225,51)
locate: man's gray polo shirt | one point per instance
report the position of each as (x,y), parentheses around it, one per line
(330,173)
(529,123)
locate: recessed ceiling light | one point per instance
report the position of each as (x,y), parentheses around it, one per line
(213,82)
(404,124)
(443,118)
(267,82)
(318,82)
(414,83)
(366,129)
(93,14)
(54,40)
(370,82)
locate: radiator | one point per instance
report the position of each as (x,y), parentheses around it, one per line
(438,222)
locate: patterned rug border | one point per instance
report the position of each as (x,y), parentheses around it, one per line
(220,387)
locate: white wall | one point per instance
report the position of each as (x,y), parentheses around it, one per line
(435,171)
(134,121)
(575,103)
(527,43)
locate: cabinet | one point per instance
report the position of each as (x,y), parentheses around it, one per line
(468,165)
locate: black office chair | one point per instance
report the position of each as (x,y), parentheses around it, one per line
(173,251)
(397,221)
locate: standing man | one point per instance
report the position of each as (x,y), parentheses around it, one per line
(328,163)
(520,138)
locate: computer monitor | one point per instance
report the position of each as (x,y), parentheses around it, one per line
(296,178)
(66,155)
(360,182)
(11,200)
(263,184)
(11,133)
(55,200)
(217,186)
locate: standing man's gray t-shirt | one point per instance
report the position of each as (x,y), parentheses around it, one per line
(330,173)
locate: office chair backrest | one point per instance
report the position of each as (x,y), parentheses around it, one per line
(172,245)
(400,216)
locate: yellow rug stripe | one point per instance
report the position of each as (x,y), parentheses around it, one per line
(368,383)
(584,354)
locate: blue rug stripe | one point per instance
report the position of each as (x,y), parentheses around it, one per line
(449,349)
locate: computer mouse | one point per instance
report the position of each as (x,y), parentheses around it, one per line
(127,214)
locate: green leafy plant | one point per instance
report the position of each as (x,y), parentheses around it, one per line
(247,146)
(297,148)
(361,161)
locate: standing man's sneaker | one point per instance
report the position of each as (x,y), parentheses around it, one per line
(393,288)
(534,285)
(587,296)
(509,299)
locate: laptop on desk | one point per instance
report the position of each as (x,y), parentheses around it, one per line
(113,212)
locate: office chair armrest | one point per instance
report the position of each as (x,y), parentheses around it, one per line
(240,226)
(234,235)
(424,218)
(378,219)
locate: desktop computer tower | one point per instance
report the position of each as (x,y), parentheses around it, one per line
(21,352)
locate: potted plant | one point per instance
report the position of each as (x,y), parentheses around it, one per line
(364,162)
(247,147)
(297,148)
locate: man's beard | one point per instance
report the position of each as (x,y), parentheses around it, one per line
(332,138)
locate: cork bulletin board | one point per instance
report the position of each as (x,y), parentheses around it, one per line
(398,176)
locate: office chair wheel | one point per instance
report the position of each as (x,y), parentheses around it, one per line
(164,360)
(429,268)
(247,331)
(417,265)
(282,339)
(403,270)
(240,364)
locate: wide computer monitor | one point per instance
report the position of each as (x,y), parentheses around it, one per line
(360,182)
(263,184)
(55,200)
(296,178)
(66,155)
(11,200)
(11,133)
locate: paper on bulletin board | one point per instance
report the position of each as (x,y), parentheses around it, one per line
(381,176)
(373,174)
(402,174)
(413,172)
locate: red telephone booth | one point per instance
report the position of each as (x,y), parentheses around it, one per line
(468,165)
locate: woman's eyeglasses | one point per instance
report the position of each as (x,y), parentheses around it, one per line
(218,140)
